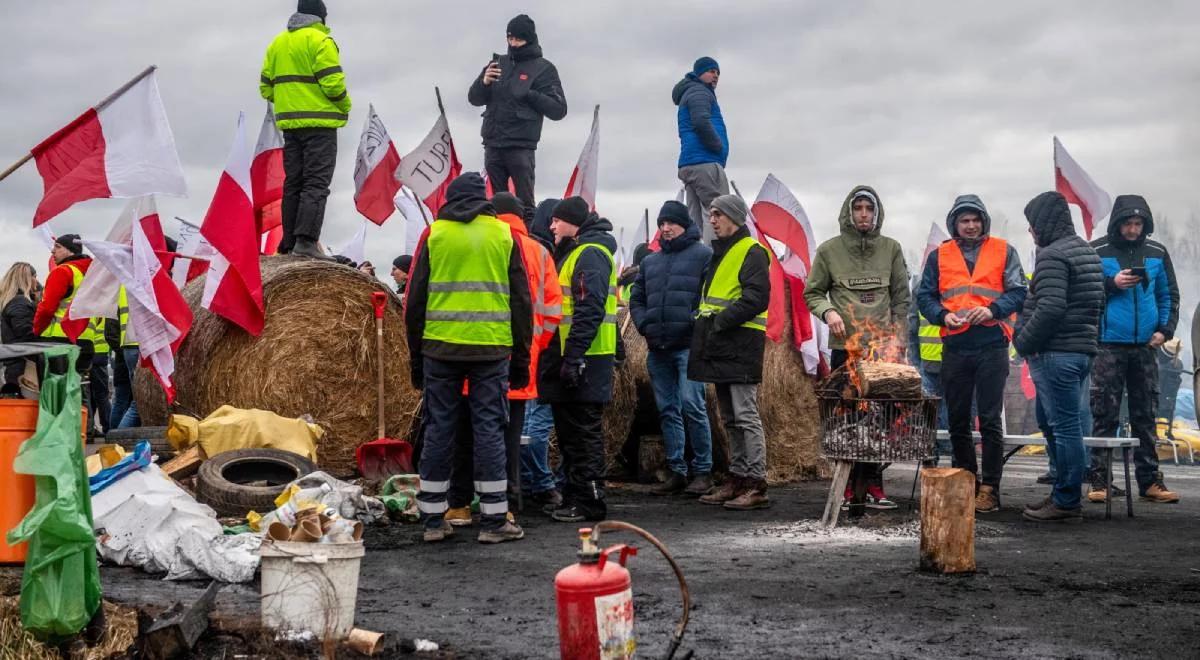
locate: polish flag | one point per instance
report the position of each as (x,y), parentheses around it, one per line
(429,169)
(583,177)
(97,295)
(122,147)
(266,179)
(937,236)
(356,248)
(234,285)
(375,183)
(191,243)
(1079,188)
(778,215)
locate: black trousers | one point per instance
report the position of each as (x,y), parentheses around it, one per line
(1132,370)
(978,376)
(579,427)
(515,164)
(462,490)
(100,389)
(309,156)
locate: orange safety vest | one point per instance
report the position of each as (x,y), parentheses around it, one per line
(962,289)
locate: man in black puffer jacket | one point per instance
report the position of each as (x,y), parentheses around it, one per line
(1057,333)
(519,89)
(664,302)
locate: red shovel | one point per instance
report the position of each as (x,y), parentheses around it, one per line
(381,458)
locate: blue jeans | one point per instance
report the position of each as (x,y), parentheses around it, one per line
(124,409)
(679,398)
(1059,379)
(1085,418)
(536,476)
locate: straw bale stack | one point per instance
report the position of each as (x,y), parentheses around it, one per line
(316,356)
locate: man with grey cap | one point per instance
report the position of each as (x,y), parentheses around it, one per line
(727,349)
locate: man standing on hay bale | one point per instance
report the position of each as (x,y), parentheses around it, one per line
(972,287)
(576,371)
(703,139)
(469,319)
(302,76)
(663,303)
(859,286)
(728,344)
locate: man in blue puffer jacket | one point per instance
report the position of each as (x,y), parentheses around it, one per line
(703,141)
(1140,313)
(664,302)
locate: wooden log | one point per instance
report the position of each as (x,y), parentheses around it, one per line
(185,464)
(947,520)
(885,380)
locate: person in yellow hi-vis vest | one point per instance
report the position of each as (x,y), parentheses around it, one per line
(50,321)
(575,372)
(302,76)
(469,318)
(728,342)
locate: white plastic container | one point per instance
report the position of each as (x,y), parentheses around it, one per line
(310,586)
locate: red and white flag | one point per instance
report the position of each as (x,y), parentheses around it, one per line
(120,148)
(97,295)
(191,243)
(356,248)
(234,285)
(429,169)
(937,236)
(1078,187)
(375,182)
(583,177)
(266,179)
(777,214)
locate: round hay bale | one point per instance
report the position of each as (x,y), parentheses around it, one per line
(316,355)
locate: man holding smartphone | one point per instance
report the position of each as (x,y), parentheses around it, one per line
(518,89)
(1140,313)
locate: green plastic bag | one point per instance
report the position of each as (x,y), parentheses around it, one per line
(60,588)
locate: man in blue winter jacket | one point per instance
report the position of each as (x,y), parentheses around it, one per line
(1140,313)
(664,302)
(703,141)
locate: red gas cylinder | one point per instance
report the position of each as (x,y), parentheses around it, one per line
(595,604)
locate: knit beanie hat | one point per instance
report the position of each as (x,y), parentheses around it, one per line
(676,213)
(573,210)
(506,202)
(522,27)
(732,207)
(704,65)
(312,7)
(403,262)
(70,241)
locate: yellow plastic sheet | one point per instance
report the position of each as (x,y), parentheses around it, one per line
(229,428)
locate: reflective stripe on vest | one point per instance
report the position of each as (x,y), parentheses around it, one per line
(55,328)
(962,289)
(468,282)
(725,287)
(605,341)
(930,338)
(123,318)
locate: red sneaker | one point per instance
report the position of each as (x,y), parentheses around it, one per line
(877,500)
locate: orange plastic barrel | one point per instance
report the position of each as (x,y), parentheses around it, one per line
(18,423)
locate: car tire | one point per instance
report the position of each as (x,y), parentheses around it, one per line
(236,482)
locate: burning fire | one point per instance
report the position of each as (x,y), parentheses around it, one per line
(871,342)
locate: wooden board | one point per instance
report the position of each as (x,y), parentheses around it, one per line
(947,520)
(885,380)
(185,464)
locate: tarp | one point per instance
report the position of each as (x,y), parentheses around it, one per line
(229,428)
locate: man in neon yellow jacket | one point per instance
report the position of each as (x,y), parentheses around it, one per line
(302,76)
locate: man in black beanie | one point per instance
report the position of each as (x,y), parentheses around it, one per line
(519,89)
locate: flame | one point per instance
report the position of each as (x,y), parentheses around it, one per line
(871,342)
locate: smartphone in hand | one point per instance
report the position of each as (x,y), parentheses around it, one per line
(1138,272)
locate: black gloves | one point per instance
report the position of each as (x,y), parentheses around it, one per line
(518,377)
(571,373)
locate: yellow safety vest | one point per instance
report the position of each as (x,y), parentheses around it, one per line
(55,328)
(468,282)
(302,76)
(725,287)
(123,318)
(930,338)
(605,341)
(95,332)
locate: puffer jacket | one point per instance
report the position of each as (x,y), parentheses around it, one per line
(861,276)
(302,76)
(722,350)
(702,134)
(528,90)
(1132,315)
(1062,309)
(666,293)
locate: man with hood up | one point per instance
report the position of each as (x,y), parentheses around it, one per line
(576,371)
(302,76)
(858,285)
(972,287)
(1057,333)
(519,89)
(703,140)
(1140,314)
(469,318)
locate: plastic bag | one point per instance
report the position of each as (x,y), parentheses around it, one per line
(139,459)
(60,588)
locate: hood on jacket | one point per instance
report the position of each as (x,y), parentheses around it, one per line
(689,82)
(299,20)
(690,235)
(1049,217)
(540,227)
(846,218)
(967,203)
(466,199)
(1125,207)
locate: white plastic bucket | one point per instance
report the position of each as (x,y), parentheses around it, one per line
(310,586)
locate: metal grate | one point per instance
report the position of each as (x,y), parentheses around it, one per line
(878,430)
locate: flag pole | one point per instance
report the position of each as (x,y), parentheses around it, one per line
(420,205)
(99,106)
(646,224)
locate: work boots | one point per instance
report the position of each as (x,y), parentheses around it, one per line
(725,492)
(701,484)
(306,247)
(509,531)
(1157,492)
(753,496)
(438,534)
(987,499)
(675,484)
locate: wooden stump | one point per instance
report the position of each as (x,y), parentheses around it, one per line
(947,520)
(885,380)
(833,502)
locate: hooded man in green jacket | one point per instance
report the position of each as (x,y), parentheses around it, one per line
(302,76)
(858,285)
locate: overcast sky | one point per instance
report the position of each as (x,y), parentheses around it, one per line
(924,101)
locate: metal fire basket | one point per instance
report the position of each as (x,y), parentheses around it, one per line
(878,430)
